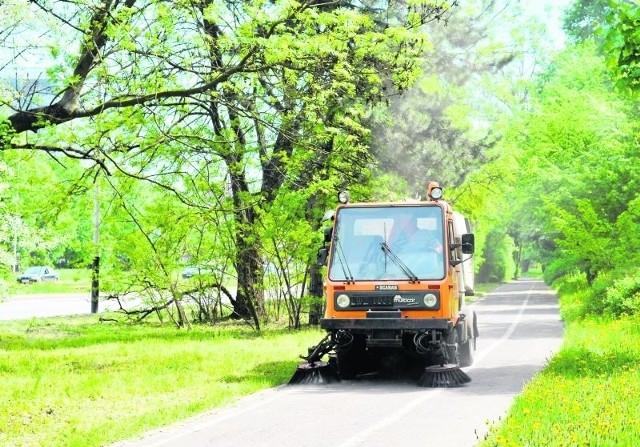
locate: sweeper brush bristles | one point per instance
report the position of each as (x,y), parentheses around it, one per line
(313,373)
(443,376)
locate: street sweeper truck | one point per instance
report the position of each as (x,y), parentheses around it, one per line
(397,275)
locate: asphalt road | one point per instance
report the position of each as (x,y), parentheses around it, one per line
(21,307)
(520,329)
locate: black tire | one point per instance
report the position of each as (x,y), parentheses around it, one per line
(467,352)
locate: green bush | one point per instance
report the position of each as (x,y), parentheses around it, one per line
(594,302)
(623,297)
(498,262)
(557,269)
(574,293)
(613,295)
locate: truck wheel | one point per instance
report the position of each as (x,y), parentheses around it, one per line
(467,351)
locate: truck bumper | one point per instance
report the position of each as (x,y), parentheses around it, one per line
(366,324)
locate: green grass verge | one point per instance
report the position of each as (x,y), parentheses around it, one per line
(484,288)
(588,395)
(78,382)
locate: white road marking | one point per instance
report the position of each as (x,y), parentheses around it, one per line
(506,335)
(361,437)
(208,420)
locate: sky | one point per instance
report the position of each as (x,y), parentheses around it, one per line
(551,11)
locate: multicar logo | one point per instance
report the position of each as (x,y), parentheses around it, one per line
(402,300)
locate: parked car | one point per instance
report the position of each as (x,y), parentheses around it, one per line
(191,271)
(38,274)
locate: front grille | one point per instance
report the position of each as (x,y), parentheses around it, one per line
(395,300)
(372,301)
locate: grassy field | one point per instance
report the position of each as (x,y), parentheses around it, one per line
(588,395)
(78,382)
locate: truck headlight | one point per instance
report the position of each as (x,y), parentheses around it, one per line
(344,197)
(343,300)
(436,193)
(430,300)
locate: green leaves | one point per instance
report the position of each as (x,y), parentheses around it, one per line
(229,111)
(568,172)
(622,45)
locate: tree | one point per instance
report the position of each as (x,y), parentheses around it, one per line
(198,97)
(443,127)
(583,18)
(573,177)
(48,213)
(622,45)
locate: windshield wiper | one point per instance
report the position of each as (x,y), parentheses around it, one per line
(342,260)
(397,261)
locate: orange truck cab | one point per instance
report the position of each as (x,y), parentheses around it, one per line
(396,280)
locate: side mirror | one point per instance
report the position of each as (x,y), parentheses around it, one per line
(328,233)
(468,243)
(323,253)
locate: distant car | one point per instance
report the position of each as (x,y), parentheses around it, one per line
(191,271)
(38,274)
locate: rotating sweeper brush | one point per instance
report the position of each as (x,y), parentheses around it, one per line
(444,371)
(313,370)
(313,373)
(443,376)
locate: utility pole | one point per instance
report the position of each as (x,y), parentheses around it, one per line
(95,274)
(16,224)
(15,245)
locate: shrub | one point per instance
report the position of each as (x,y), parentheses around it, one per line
(574,293)
(498,262)
(623,297)
(559,268)
(594,303)
(613,295)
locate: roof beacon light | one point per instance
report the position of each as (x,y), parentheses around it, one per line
(434,191)
(343,197)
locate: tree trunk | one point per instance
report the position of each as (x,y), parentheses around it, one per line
(248,262)
(315,206)
(250,289)
(182,321)
(316,291)
(95,285)
(591,275)
(517,259)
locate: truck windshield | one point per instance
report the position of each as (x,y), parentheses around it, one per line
(366,238)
